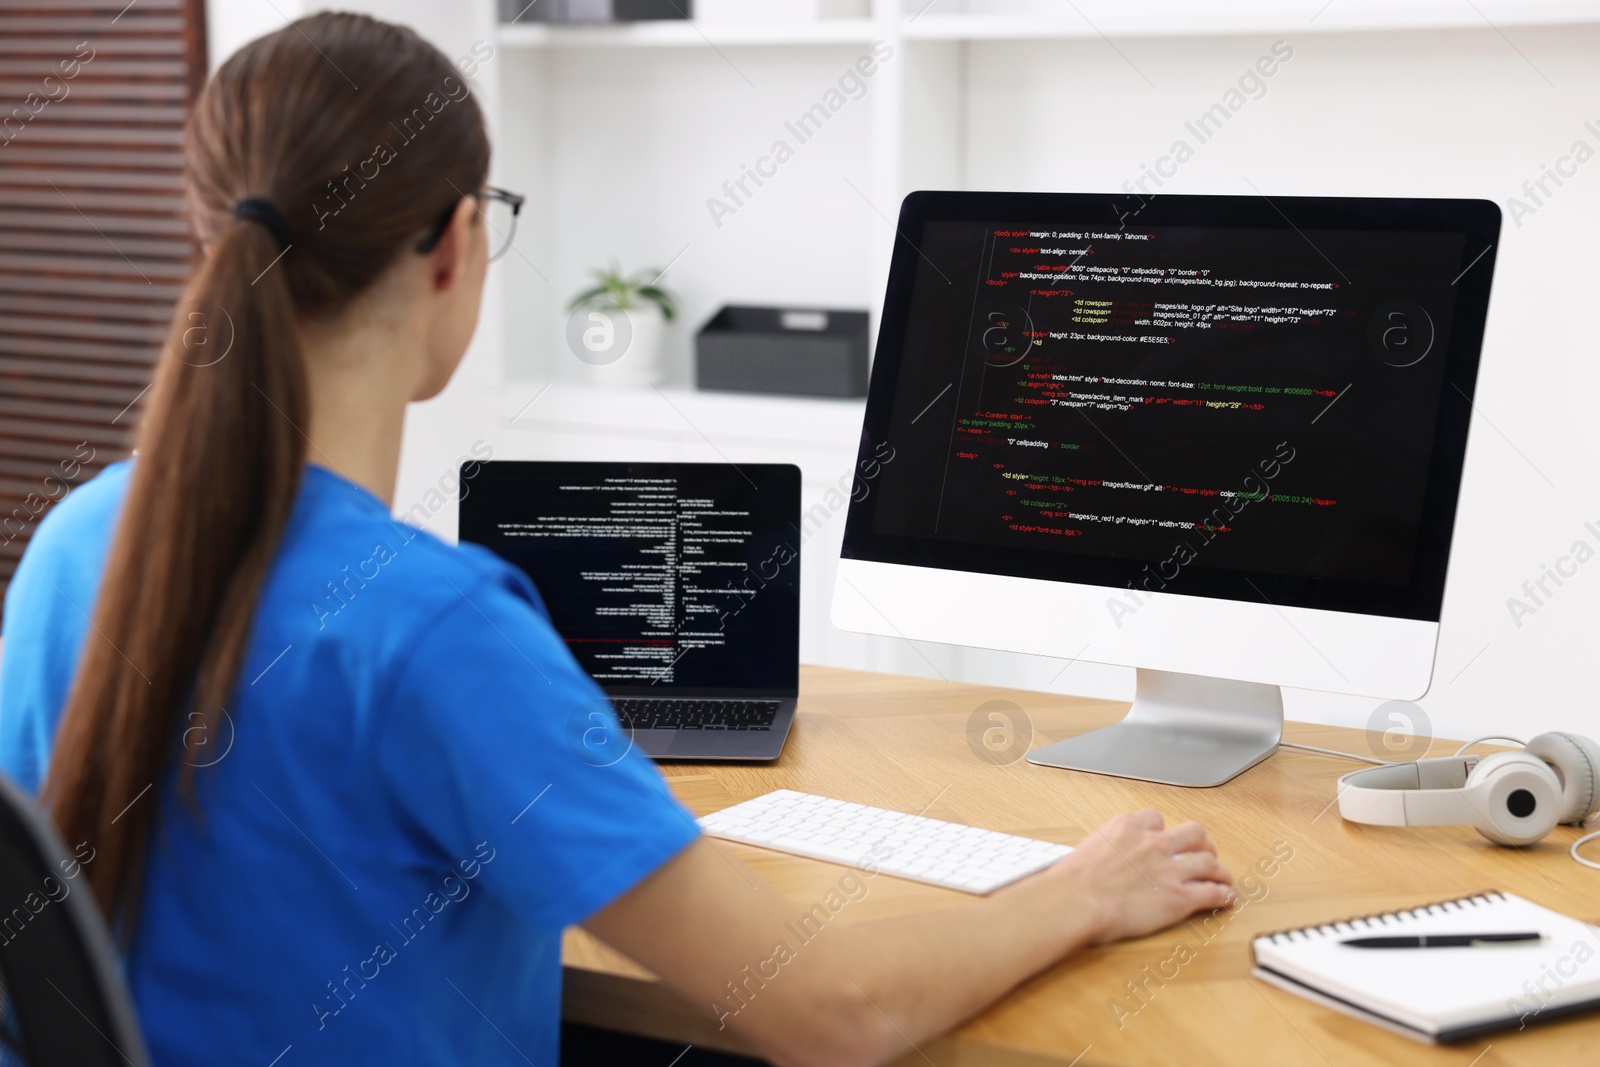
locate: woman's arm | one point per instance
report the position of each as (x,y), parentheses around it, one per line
(864,992)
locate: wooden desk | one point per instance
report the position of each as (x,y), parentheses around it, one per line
(902,743)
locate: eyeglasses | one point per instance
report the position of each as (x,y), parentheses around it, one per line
(499,209)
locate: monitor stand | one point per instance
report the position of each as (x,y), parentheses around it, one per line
(1183,729)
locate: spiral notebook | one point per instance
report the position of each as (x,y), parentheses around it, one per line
(1442,994)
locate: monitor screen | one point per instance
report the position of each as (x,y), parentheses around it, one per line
(659,576)
(1215,396)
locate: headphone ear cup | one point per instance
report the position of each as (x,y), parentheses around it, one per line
(1515,798)
(1576,760)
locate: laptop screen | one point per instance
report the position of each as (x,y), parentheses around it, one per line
(660,577)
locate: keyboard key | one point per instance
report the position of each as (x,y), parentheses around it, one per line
(666,713)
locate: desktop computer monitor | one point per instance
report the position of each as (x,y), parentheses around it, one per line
(1218,439)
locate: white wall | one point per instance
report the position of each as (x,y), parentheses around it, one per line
(632,147)
(622,147)
(1440,113)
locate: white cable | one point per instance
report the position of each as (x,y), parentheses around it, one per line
(1579,843)
(1585,839)
(1491,737)
(1385,763)
(1334,752)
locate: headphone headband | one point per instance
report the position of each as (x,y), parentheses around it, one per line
(1510,797)
(1401,793)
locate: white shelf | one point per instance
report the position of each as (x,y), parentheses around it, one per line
(633,417)
(1162,18)
(1154,18)
(684,33)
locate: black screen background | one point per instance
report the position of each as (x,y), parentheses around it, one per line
(1373,452)
(753,605)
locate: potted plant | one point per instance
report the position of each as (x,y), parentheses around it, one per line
(614,326)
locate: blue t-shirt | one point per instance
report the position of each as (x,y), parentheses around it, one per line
(414,790)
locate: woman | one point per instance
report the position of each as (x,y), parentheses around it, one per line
(356,836)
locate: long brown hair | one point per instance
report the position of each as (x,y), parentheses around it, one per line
(363,137)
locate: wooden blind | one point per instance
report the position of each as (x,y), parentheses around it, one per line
(94,247)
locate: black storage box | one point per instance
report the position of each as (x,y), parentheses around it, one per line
(783,350)
(592,10)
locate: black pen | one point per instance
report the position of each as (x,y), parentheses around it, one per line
(1440,940)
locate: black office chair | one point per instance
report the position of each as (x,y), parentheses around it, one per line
(62,999)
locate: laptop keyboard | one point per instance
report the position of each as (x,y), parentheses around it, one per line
(652,713)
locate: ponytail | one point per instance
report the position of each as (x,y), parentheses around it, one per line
(219,460)
(223,443)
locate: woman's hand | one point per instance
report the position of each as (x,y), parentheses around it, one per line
(1136,877)
(708,929)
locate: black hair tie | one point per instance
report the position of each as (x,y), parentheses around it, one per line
(259,209)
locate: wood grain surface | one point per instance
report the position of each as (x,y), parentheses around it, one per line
(1182,996)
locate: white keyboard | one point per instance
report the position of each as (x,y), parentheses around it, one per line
(907,846)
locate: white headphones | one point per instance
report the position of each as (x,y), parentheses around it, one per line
(1513,798)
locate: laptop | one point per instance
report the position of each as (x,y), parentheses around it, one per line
(675,585)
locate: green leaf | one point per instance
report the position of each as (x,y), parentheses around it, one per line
(662,298)
(625,291)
